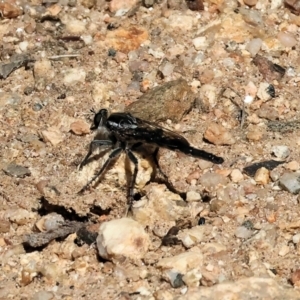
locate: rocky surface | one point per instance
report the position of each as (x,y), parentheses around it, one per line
(224,75)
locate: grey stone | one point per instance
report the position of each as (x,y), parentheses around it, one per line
(290,182)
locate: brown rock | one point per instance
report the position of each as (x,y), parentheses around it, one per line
(10,10)
(295,278)
(126,5)
(255,133)
(126,40)
(262,176)
(88,3)
(80,127)
(293,5)
(4,226)
(195,5)
(52,135)
(250,2)
(218,135)
(268,70)
(171,100)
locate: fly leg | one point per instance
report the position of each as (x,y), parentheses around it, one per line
(134,160)
(165,178)
(93,144)
(113,155)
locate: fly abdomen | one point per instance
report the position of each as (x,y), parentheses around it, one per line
(202,154)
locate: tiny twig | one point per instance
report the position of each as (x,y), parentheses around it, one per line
(57,57)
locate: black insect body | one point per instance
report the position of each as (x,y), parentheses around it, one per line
(271,90)
(124,133)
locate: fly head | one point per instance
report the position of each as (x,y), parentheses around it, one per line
(100,119)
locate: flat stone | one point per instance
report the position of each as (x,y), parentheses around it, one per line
(290,182)
(246,289)
(281,151)
(183,262)
(17,170)
(171,100)
(218,135)
(122,237)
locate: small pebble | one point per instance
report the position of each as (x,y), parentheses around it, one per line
(37,106)
(175,279)
(281,151)
(243,233)
(236,175)
(80,127)
(183,262)
(192,236)
(121,5)
(10,9)
(50,222)
(250,2)
(295,278)
(210,181)
(43,69)
(74,76)
(23,46)
(287,39)
(43,295)
(88,3)
(218,135)
(148,3)
(296,238)
(192,278)
(17,170)
(293,165)
(75,27)
(262,176)
(285,249)
(262,92)
(200,43)
(122,237)
(255,44)
(52,135)
(192,196)
(290,182)
(4,226)
(216,205)
(255,133)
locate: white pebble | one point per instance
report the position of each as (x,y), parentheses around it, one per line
(74,76)
(243,233)
(254,46)
(296,238)
(88,39)
(23,46)
(284,250)
(286,39)
(75,27)
(193,236)
(122,237)
(192,196)
(262,92)
(167,69)
(200,43)
(281,151)
(236,175)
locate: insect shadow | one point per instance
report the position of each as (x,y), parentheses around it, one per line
(122,132)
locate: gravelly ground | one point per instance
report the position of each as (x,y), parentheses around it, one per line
(236,235)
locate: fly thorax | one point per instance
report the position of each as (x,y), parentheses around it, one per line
(102,133)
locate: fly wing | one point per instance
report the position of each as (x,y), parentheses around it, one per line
(163,137)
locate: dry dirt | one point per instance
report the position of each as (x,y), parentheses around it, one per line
(62,59)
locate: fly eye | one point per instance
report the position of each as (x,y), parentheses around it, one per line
(97,120)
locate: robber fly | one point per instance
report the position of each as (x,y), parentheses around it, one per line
(123,132)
